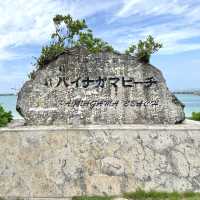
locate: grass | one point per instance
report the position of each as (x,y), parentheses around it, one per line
(151,195)
(154,195)
(93,198)
(143,195)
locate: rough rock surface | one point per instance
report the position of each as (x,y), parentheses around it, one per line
(105,88)
(54,162)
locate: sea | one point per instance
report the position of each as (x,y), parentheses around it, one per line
(192,103)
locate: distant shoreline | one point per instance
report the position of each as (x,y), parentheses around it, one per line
(191,93)
(8,94)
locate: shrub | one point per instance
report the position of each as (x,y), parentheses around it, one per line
(5,117)
(195,116)
(48,53)
(94,45)
(69,33)
(144,49)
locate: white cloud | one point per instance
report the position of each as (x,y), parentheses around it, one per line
(156,7)
(172,22)
(25,22)
(30,22)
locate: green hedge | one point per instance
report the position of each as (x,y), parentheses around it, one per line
(5,117)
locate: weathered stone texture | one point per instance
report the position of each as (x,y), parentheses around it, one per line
(63,162)
(121,90)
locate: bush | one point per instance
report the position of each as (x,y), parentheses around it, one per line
(48,53)
(5,117)
(69,33)
(93,45)
(144,49)
(195,116)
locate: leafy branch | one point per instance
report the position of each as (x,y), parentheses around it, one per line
(144,49)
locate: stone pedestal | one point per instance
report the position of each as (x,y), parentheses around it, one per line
(62,162)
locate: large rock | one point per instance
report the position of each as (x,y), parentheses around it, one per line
(105,88)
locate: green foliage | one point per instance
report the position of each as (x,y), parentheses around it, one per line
(31,75)
(154,195)
(195,116)
(48,53)
(92,198)
(143,195)
(67,29)
(69,33)
(5,117)
(144,49)
(94,45)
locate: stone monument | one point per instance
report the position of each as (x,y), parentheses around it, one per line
(105,88)
(108,157)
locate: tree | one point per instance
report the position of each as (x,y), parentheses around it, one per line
(67,30)
(144,49)
(70,33)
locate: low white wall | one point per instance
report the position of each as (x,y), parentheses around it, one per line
(94,160)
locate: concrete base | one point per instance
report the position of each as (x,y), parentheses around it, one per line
(66,161)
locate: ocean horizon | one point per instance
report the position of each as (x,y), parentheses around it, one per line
(191,102)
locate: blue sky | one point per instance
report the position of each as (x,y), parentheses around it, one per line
(27,25)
